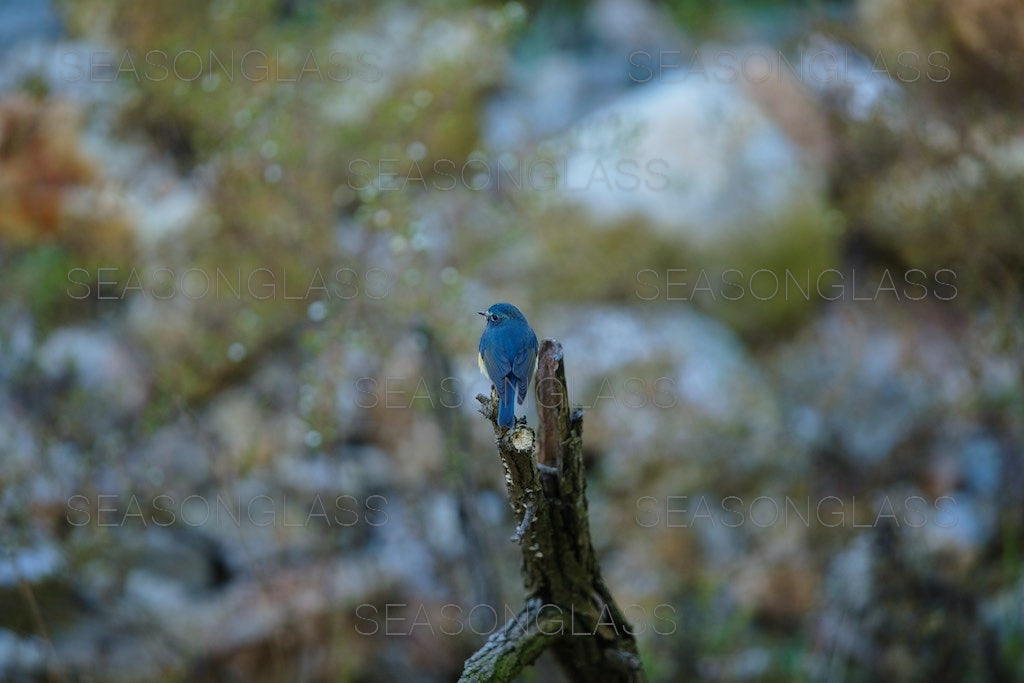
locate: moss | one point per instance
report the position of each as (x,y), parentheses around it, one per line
(280,167)
(760,284)
(54,598)
(780,274)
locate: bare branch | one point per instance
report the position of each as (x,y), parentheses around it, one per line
(516,646)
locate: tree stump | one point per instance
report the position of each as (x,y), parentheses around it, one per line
(568,607)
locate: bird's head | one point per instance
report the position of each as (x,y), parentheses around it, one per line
(501,313)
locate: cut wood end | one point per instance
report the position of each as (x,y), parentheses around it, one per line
(523,439)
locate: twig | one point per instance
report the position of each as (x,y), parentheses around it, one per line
(516,645)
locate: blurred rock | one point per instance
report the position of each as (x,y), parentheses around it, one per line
(101,366)
(869,376)
(174,455)
(850,83)
(981,42)
(408,78)
(697,157)
(653,404)
(688,190)
(22,21)
(157,625)
(948,544)
(17,345)
(246,436)
(630,24)
(782,585)
(912,201)
(915,619)
(573,60)
(20,654)
(982,461)
(18,441)
(33,564)
(933,175)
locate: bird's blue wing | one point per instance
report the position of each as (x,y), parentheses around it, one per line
(495,362)
(524,365)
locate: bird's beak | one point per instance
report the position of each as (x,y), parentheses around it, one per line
(483,313)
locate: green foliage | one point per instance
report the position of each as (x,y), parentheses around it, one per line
(703,17)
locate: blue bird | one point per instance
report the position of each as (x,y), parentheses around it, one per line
(508,356)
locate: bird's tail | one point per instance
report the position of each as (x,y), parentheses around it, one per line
(506,403)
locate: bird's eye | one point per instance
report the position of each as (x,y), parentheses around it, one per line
(494,318)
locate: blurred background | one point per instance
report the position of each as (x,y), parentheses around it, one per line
(242,246)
